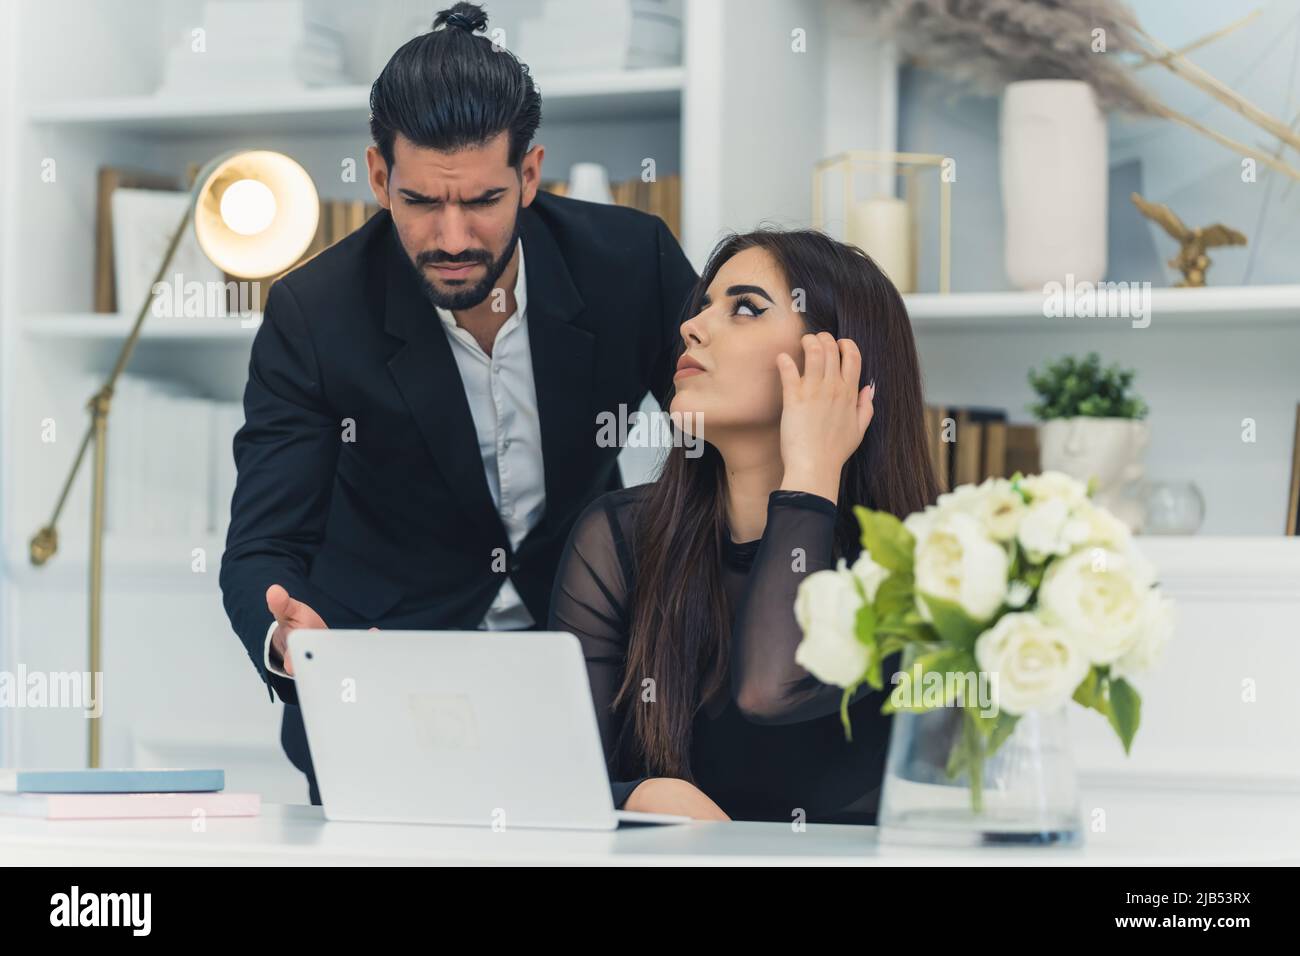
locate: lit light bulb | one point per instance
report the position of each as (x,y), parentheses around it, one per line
(248,207)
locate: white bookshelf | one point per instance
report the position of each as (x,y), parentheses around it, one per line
(628,94)
(1236,307)
(107,327)
(76,84)
(77,80)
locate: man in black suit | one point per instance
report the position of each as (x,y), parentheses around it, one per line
(422,399)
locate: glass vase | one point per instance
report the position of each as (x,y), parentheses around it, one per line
(1024,793)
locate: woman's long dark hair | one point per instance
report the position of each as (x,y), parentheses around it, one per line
(680,620)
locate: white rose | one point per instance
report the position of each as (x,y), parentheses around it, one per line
(1100,597)
(1156,631)
(1032,664)
(1049,529)
(1096,525)
(826,608)
(956,561)
(869,574)
(919,523)
(993,503)
(1055,484)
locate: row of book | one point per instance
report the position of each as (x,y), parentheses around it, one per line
(111,794)
(970,443)
(171,467)
(339,218)
(662,197)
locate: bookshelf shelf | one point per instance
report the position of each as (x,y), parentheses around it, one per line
(1201,308)
(113,327)
(1204,308)
(1258,567)
(130,561)
(1226,567)
(625,94)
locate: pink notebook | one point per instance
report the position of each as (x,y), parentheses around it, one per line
(125,806)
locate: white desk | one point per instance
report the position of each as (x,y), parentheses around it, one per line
(1148,827)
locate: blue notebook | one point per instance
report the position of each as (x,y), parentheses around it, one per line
(111,781)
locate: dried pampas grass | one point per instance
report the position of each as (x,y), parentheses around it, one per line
(986,44)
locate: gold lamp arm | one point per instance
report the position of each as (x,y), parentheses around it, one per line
(45,542)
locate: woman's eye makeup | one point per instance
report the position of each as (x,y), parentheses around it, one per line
(743,305)
(747,306)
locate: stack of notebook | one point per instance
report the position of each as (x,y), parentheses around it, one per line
(121,794)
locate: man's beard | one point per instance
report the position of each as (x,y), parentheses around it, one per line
(468,296)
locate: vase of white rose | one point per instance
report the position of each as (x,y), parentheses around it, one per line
(1007,602)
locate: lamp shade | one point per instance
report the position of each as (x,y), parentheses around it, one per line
(255,212)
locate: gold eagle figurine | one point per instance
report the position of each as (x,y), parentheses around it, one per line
(1191,260)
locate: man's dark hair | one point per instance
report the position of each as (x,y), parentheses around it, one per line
(451,89)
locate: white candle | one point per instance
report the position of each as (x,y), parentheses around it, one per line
(882,228)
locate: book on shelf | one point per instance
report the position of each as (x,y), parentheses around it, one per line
(662,198)
(970,443)
(171,461)
(109,179)
(339,218)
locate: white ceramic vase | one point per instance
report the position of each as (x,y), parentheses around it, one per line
(1054,183)
(1109,451)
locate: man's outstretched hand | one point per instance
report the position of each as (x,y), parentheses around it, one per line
(289,616)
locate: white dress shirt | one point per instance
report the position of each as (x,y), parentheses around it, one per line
(503,403)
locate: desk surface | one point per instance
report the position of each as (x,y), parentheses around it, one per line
(1146,827)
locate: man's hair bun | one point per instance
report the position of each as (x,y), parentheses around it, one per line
(469,17)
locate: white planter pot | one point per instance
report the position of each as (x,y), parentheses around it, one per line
(1111,451)
(590,181)
(1054,183)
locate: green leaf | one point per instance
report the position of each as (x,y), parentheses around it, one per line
(1091,692)
(874,677)
(865,625)
(1125,711)
(895,595)
(884,536)
(913,681)
(1003,726)
(1017,561)
(891,644)
(953,624)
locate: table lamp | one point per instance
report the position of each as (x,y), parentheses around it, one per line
(254,214)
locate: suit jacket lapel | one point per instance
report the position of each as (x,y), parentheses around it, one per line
(563,357)
(563,366)
(427,376)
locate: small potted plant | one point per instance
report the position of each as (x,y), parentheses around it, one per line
(1091,427)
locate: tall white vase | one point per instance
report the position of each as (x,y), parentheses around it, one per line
(1054,183)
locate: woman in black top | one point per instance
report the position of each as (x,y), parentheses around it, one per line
(682,591)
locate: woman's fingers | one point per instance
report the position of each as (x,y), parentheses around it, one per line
(789,372)
(866,406)
(814,360)
(830,358)
(850,364)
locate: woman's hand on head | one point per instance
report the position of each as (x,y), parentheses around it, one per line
(824,414)
(673,795)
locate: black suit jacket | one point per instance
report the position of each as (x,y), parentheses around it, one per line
(396,527)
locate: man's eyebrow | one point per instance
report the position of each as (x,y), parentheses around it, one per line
(742,289)
(420,197)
